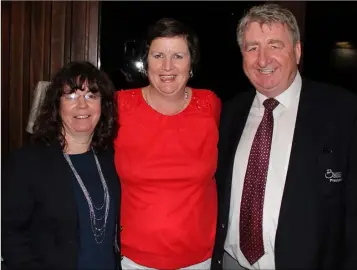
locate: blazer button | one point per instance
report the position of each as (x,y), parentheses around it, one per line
(219,262)
(223,225)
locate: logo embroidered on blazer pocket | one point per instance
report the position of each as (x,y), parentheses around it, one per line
(334,177)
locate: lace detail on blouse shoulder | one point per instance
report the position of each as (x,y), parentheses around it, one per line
(128,99)
(204,100)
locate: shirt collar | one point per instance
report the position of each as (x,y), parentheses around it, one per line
(286,98)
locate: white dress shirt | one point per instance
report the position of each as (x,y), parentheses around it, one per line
(284,125)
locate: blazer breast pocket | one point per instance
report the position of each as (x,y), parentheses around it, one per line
(330,173)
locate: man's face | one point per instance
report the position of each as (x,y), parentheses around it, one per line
(270,59)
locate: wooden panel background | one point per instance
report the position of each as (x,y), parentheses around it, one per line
(39,37)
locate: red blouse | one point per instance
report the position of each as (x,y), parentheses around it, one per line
(166,166)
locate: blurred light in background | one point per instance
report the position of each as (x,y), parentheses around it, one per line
(344,55)
(139,65)
(344,45)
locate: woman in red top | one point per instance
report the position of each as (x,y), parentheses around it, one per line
(166,155)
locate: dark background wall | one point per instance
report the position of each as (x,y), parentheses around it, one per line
(327,24)
(322,25)
(214,22)
(38,37)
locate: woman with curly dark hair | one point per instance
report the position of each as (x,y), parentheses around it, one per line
(61,195)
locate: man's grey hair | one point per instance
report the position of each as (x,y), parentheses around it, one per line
(268,14)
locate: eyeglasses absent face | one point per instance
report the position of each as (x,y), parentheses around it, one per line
(169,64)
(270,57)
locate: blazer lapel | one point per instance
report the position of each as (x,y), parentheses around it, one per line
(60,177)
(293,229)
(230,138)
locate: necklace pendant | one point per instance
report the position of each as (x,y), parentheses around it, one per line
(97,232)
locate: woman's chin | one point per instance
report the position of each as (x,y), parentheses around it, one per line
(169,90)
(83,131)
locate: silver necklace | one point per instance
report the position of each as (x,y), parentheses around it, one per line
(98,233)
(179,109)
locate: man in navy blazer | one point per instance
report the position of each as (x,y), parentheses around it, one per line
(308,217)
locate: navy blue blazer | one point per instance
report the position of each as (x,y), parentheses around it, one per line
(317,226)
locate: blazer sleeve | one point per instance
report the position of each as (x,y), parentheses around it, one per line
(17,203)
(351,203)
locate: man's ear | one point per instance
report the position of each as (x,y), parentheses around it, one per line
(297,50)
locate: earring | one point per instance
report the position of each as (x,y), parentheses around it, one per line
(191,73)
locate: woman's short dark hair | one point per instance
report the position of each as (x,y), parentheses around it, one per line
(168,27)
(48,126)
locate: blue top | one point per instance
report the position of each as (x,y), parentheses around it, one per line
(91,254)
